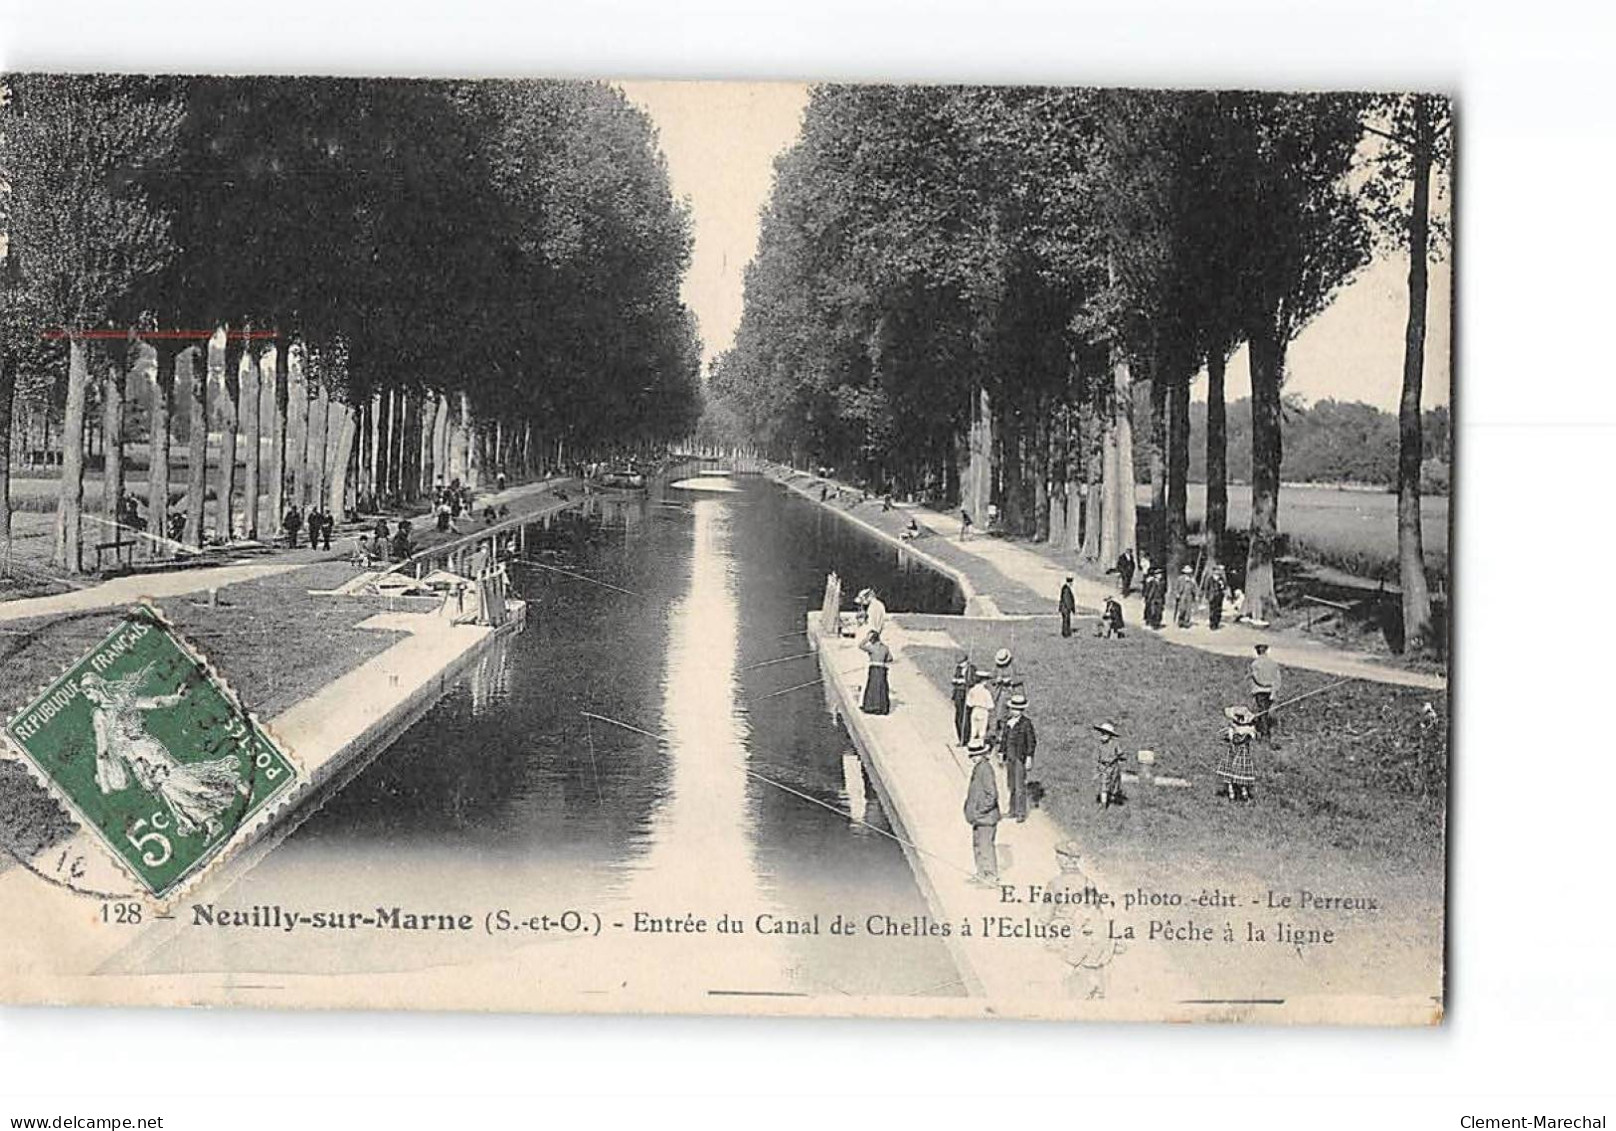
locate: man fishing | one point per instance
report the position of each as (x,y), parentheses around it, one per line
(1265,679)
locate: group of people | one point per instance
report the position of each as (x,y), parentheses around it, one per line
(1187,596)
(318,523)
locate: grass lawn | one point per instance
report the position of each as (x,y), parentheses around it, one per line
(274,642)
(1352,800)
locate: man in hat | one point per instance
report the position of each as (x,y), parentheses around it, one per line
(1265,680)
(1086,945)
(1108,767)
(1068,605)
(964,675)
(979,702)
(982,814)
(1125,570)
(1020,743)
(1184,599)
(1005,684)
(1216,587)
(1155,591)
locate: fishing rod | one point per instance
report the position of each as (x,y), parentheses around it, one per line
(794,792)
(781,660)
(578,576)
(1307,695)
(783,690)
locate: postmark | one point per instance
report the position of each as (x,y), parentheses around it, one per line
(148,748)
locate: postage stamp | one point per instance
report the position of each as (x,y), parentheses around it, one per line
(148,747)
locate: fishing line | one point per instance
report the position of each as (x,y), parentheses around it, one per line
(795,793)
(781,660)
(783,690)
(579,576)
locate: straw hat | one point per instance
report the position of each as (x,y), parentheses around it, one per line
(1108,728)
(1002,658)
(1069,849)
(976,746)
(1018,702)
(1239,716)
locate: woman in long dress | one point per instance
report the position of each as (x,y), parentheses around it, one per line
(196,793)
(877,696)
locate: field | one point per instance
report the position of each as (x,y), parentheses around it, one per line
(1354,531)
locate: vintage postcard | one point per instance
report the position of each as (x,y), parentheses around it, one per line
(806,549)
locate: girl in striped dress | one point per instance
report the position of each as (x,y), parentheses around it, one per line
(1238,771)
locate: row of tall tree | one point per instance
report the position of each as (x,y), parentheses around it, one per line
(960,292)
(365,286)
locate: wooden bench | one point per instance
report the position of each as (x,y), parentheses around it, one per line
(116,546)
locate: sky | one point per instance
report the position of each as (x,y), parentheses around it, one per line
(721,139)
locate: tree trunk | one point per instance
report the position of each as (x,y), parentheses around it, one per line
(297,436)
(229,422)
(473,457)
(112,421)
(1158,463)
(279,387)
(161,415)
(1076,474)
(1217,457)
(251,394)
(1127,517)
(1109,494)
(1417,631)
(8,394)
(70,493)
(429,415)
(1267,451)
(1178,470)
(320,446)
(337,494)
(441,429)
(196,480)
(1055,446)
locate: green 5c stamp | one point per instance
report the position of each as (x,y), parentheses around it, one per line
(147,746)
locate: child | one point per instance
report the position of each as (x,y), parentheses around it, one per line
(1108,767)
(1238,770)
(1110,623)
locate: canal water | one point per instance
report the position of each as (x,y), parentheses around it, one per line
(743,796)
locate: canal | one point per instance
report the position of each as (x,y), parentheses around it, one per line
(678,613)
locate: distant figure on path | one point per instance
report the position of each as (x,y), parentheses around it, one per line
(982,814)
(1108,767)
(1155,591)
(1111,623)
(1216,586)
(1238,770)
(381,532)
(1184,598)
(965,525)
(402,548)
(877,696)
(980,701)
(292,522)
(1265,680)
(964,675)
(1068,605)
(1125,570)
(1020,745)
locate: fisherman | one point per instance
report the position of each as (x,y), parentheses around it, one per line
(381,532)
(1020,745)
(1238,770)
(964,675)
(1155,591)
(1216,586)
(982,814)
(911,531)
(1068,605)
(292,522)
(980,702)
(1265,679)
(1005,684)
(442,512)
(877,698)
(1108,767)
(1184,599)
(1085,945)
(402,549)
(1111,623)
(1125,570)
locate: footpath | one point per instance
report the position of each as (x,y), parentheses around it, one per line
(1042,578)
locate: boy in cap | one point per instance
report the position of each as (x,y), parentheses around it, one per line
(1265,681)
(1238,770)
(1108,767)
(982,814)
(1020,744)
